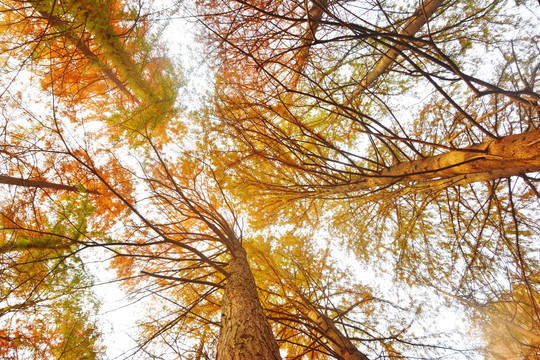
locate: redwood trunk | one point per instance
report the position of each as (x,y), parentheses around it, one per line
(510,156)
(245,331)
(339,342)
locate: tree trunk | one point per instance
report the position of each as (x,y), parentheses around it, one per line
(245,331)
(10,180)
(314,16)
(510,156)
(417,21)
(339,342)
(64,28)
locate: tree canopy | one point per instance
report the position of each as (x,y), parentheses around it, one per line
(357,170)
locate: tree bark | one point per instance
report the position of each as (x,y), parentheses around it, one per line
(245,331)
(10,180)
(419,19)
(510,156)
(339,342)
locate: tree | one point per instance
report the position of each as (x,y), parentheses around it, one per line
(330,137)
(198,233)
(187,236)
(87,56)
(300,287)
(48,312)
(315,131)
(305,133)
(47,308)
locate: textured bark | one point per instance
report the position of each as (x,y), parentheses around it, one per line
(245,331)
(339,342)
(510,156)
(419,19)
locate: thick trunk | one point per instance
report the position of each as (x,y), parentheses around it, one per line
(339,342)
(510,156)
(245,331)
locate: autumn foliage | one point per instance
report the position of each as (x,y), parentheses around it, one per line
(356,169)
